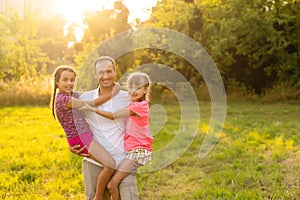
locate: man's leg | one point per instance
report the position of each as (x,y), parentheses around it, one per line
(128,188)
(90,173)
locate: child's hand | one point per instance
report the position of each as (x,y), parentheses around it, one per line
(78,151)
(86,107)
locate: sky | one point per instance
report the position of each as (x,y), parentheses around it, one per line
(72,10)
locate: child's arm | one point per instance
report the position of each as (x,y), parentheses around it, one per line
(109,115)
(119,114)
(77,104)
(100,100)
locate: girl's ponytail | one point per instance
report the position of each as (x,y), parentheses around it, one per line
(53,100)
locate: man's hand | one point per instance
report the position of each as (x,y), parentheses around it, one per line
(78,151)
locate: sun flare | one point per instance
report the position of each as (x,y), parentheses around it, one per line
(139,9)
(72,10)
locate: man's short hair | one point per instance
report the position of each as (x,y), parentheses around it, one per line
(102,58)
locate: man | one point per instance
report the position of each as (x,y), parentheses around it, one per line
(109,133)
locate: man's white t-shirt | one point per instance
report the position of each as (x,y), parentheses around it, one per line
(109,133)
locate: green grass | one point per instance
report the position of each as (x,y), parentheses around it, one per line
(36,163)
(257,157)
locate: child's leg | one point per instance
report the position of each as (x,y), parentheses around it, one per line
(90,173)
(103,179)
(124,169)
(101,155)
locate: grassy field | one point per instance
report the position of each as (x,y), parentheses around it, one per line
(257,157)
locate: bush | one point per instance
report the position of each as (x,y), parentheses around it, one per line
(236,91)
(281,93)
(38,91)
(26,92)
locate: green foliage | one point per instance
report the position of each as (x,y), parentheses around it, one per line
(281,92)
(55,45)
(31,48)
(21,53)
(102,25)
(253,42)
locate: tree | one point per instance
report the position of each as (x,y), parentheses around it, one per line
(56,42)
(101,25)
(21,54)
(286,24)
(254,42)
(121,14)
